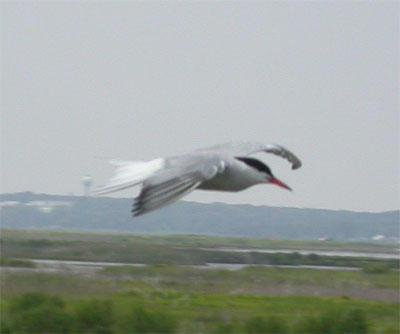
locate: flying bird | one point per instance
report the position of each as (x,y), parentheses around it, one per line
(225,167)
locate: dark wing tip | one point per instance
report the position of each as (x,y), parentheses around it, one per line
(137,208)
(284,153)
(297,164)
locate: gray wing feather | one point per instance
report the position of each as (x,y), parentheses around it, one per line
(236,148)
(247,148)
(158,196)
(175,182)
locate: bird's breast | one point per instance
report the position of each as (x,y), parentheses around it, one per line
(232,179)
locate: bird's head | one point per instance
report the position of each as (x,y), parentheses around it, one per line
(264,171)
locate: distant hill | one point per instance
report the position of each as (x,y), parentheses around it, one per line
(39,211)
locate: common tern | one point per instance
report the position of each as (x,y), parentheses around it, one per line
(225,167)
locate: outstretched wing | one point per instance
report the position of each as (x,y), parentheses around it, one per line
(284,153)
(181,176)
(247,148)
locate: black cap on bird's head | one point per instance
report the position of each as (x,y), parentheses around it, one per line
(263,168)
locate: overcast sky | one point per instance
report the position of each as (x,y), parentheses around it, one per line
(139,80)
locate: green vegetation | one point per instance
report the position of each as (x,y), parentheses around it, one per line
(189,250)
(257,278)
(36,313)
(195,313)
(171,298)
(41,313)
(376,268)
(248,281)
(266,325)
(334,321)
(189,300)
(141,320)
(16,263)
(195,241)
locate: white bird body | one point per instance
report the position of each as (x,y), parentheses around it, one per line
(225,167)
(236,176)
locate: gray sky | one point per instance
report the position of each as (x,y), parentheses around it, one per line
(138,80)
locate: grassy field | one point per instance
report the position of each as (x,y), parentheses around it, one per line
(171,298)
(208,301)
(177,249)
(197,241)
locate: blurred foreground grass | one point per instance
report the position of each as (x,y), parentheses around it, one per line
(189,300)
(169,312)
(170,298)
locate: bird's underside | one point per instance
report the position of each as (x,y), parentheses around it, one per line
(169,179)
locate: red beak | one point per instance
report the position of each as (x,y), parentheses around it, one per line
(279,183)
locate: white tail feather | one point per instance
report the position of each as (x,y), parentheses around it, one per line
(129,174)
